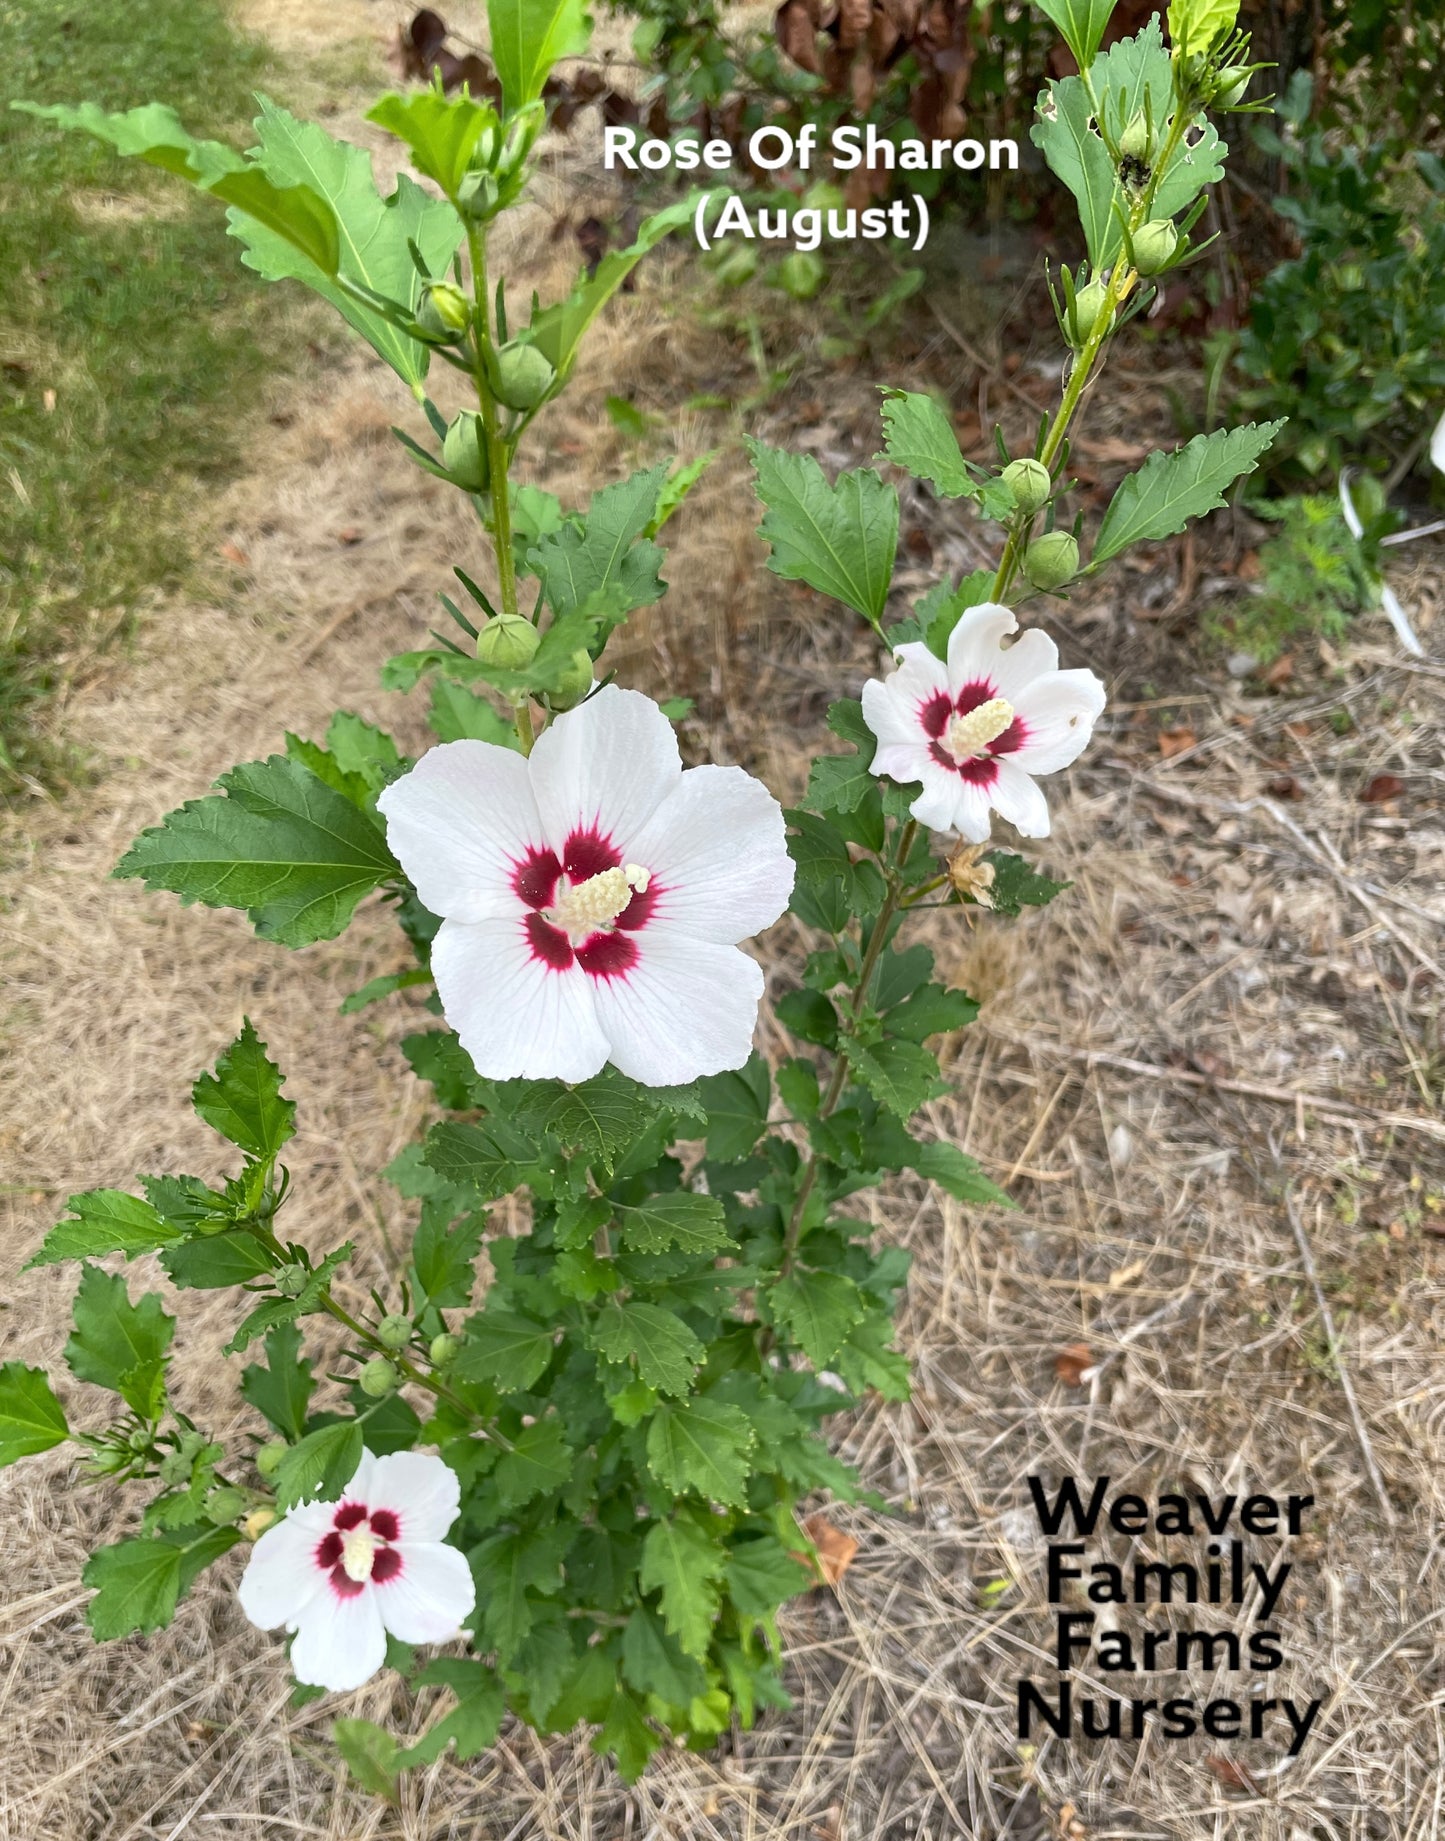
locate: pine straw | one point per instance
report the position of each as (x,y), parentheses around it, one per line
(1212,946)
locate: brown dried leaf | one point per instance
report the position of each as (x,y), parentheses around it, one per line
(1074,1365)
(233,553)
(1281,671)
(1176,741)
(853,18)
(1284,786)
(1383,787)
(1233,1776)
(835,1548)
(797,39)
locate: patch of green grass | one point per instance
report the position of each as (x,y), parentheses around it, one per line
(132,342)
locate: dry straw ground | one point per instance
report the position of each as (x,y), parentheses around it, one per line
(1240,993)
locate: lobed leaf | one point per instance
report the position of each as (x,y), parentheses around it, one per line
(120,1345)
(1170,489)
(702,1445)
(105,1221)
(32,1420)
(841,539)
(242,1099)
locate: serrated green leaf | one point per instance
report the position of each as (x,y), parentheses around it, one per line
(359,747)
(818,1309)
(31,1418)
(1170,489)
(1196,26)
(900,1075)
(488,1158)
(105,1221)
(509,1350)
(1064,134)
(930,1011)
(609,551)
(120,1345)
(509,1568)
(919,438)
(281,1390)
(242,1099)
(626,1738)
(138,1583)
(214,1260)
(1017,885)
(440,131)
(866,1359)
(692,1223)
(762,1574)
(386,986)
(665,1350)
(737,1109)
(472,1724)
(186,1202)
(291,851)
(374,232)
(683,1561)
(841,539)
(539,1461)
(654,1663)
(703,1445)
(459,714)
(319,1467)
(443,1256)
(278,1310)
(945,604)
(596,1118)
(528,37)
(839,782)
(370,1752)
(557,331)
(1081,23)
(810,1016)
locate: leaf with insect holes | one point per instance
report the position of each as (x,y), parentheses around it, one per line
(31,1418)
(1170,489)
(665,1350)
(138,1583)
(242,1099)
(105,1221)
(684,1560)
(841,539)
(701,1445)
(290,850)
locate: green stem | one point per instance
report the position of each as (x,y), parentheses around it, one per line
(876,941)
(408,1368)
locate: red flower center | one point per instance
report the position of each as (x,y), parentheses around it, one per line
(557,929)
(361,1542)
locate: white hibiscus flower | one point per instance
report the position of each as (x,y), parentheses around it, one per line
(343,1574)
(978,729)
(593,896)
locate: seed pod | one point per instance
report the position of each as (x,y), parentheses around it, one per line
(269,1456)
(224,1504)
(509,641)
(464,452)
(1052,560)
(1136,142)
(1088,310)
(394,1330)
(524,375)
(291,1281)
(140,1439)
(109,1459)
(444,1349)
(479,197)
(575,683)
(378,1378)
(1029,482)
(1154,246)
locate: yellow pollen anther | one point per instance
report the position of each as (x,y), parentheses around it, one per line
(967,736)
(599,900)
(358,1553)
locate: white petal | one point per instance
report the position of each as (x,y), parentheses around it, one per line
(429,1597)
(950,803)
(282,1575)
(717,851)
(1015,796)
(891,712)
(1437,445)
(1059,714)
(610,762)
(459,823)
(340,1642)
(1032,655)
(516,1017)
(688,1007)
(422,1492)
(974,644)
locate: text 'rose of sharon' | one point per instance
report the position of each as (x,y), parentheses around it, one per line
(592,896)
(976,730)
(343,1574)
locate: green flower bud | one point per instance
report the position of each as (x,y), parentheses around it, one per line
(479,197)
(524,375)
(1154,246)
(193,1444)
(444,1349)
(224,1504)
(174,1468)
(269,1456)
(1136,142)
(378,1378)
(464,452)
(1088,310)
(575,682)
(394,1330)
(738,265)
(1052,560)
(109,1459)
(444,308)
(140,1439)
(1232,88)
(802,274)
(509,641)
(291,1280)
(1029,482)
